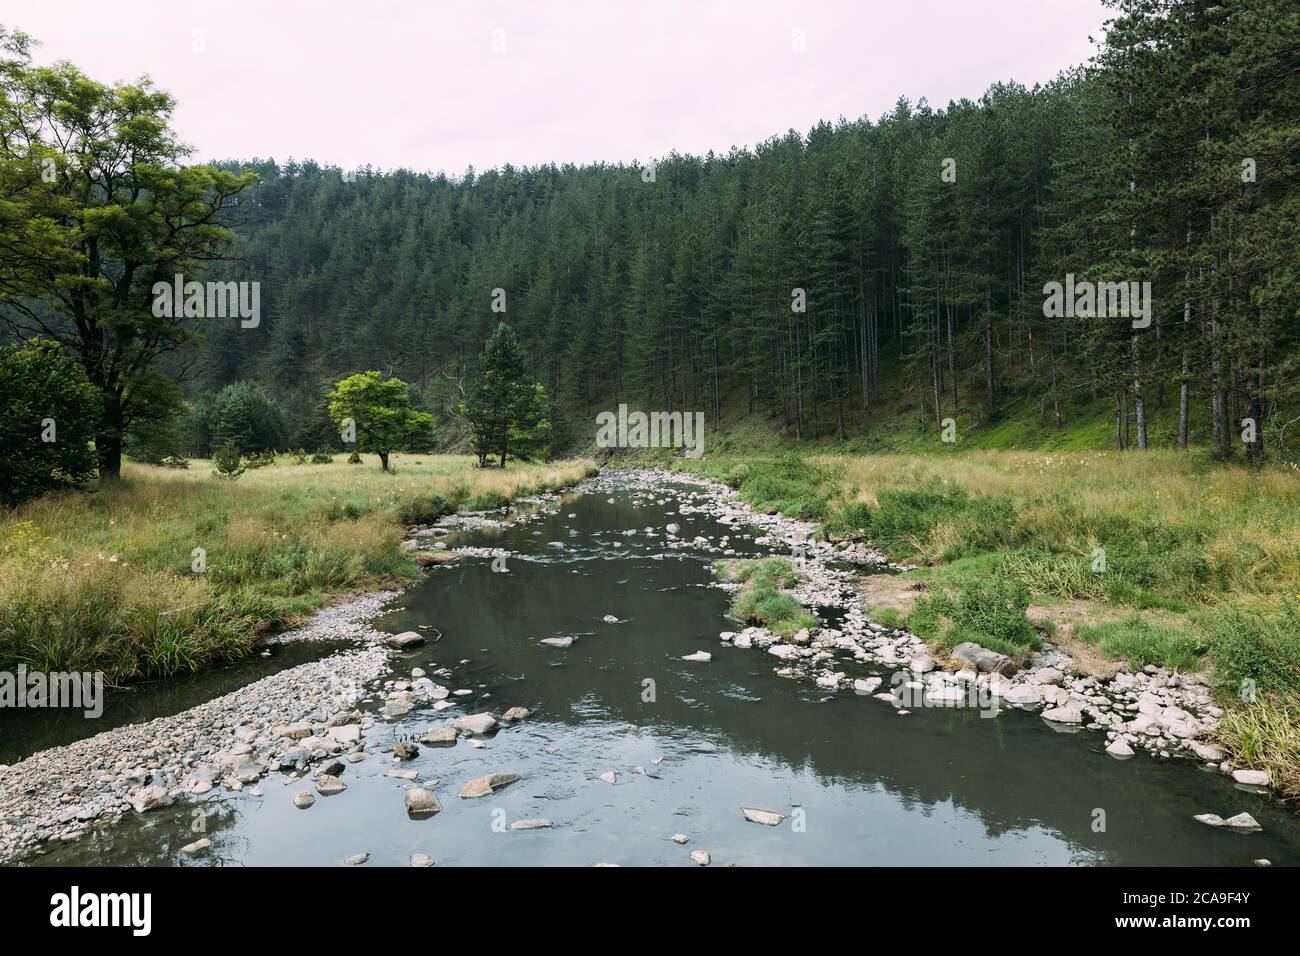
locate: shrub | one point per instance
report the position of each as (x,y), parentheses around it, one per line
(991,613)
(1253,646)
(48,416)
(736,477)
(227,461)
(173,461)
(322,457)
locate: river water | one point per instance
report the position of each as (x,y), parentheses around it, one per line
(856,782)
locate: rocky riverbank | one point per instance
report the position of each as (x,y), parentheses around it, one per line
(1166,713)
(231,741)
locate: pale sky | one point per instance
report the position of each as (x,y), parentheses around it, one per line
(399,83)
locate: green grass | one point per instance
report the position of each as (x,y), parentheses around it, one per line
(1265,735)
(989,612)
(762,599)
(1141,642)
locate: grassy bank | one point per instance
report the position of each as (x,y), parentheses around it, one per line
(106,580)
(1154,558)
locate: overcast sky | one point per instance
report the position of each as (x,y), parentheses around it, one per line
(444,84)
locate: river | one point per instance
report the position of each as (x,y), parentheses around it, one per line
(690,743)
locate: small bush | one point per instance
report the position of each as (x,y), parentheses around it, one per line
(1252,646)
(990,613)
(322,458)
(736,477)
(227,461)
(173,461)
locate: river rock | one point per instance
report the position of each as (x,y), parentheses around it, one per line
(701,857)
(356,859)
(867,686)
(1211,753)
(1068,714)
(1242,822)
(398,707)
(515,714)
(557,641)
(1252,778)
(681,839)
(482,786)
(1048,675)
(609,776)
(404,750)
(421,859)
(534,824)
(150,798)
(1119,749)
(303,799)
(1023,695)
(404,641)
(922,665)
(440,736)
(327,785)
(982,659)
(768,818)
(477,724)
(702,657)
(420,802)
(344,735)
(198,846)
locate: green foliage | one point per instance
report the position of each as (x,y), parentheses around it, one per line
(244,414)
(175,463)
(509,416)
(227,461)
(1264,648)
(43,395)
(990,612)
(98,207)
(322,457)
(790,485)
(380,410)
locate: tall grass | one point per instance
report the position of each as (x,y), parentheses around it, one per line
(106,580)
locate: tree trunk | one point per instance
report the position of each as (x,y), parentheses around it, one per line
(108,438)
(383,459)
